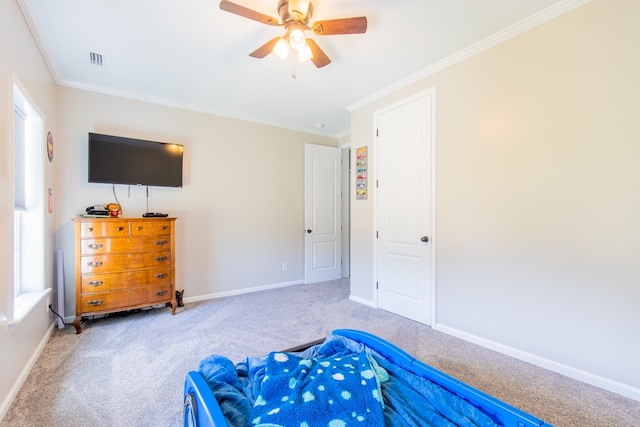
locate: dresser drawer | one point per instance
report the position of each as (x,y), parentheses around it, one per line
(122,298)
(159,293)
(105,228)
(118,299)
(151,228)
(123,245)
(114,263)
(110,281)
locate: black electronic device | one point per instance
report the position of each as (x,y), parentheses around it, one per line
(98,210)
(119,160)
(155,215)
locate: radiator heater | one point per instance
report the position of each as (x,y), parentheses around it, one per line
(60,287)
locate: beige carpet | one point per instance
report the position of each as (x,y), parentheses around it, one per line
(129,370)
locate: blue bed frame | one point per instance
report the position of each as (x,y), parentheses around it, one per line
(201,408)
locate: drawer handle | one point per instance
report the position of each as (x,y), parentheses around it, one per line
(161,275)
(161,258)
(120,228)
(94,302)
(161,242)
(95,246)
(160,293)
(90,228)
(94,263)
(95,283)
(164,227)
(138,228)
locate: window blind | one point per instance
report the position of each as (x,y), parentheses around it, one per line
(19,160)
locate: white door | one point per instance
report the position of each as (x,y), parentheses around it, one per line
(405,207)
(322,213)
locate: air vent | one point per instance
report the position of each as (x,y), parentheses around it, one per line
(96,58)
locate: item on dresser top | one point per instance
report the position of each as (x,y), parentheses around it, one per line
(97,210)
(114,210)
(155,215)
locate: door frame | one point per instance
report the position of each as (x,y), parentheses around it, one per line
(433,238)
(346,209)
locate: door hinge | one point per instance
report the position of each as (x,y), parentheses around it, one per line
(376,285)
(376,234)
(376,132)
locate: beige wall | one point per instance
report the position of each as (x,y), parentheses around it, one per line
(240,210)
(538,234)
(21,63)
(538,200)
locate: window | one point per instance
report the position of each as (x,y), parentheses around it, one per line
(28,198)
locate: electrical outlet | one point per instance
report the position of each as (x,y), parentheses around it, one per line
(284,266)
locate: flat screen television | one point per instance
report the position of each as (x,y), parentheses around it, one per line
(119,160)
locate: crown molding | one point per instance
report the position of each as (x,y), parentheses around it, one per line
(34,26)
(474,49)
(187,106)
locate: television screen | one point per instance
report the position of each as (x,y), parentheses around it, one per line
(118,160)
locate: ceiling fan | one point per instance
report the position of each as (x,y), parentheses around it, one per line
(295,17)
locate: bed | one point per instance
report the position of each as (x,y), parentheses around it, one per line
(351,378)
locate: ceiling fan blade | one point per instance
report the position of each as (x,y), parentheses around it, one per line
(265,49)
(356,25)
(245,12)
(320,59)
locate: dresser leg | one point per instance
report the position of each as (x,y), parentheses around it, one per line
(76,323)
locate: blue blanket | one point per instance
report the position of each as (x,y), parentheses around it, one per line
(411,400)
(221,377)
(287,389)
(339,391)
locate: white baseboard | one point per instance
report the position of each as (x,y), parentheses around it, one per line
(569,371)
(6,404)
(362,301)
(242,291)
(216,295)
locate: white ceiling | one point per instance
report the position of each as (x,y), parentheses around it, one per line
(191,54)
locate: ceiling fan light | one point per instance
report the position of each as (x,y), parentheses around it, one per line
(305,53)
(296,39)
(281,49)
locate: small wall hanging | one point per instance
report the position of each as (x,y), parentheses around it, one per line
(50,146)
(361,173)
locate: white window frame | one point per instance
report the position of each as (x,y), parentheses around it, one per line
(28,284)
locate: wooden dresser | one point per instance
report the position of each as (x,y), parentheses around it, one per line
(123,264)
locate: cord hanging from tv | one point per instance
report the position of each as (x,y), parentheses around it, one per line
(149,214)
(129,161)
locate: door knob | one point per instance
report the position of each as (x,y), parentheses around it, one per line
(309,230)
(424,239)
